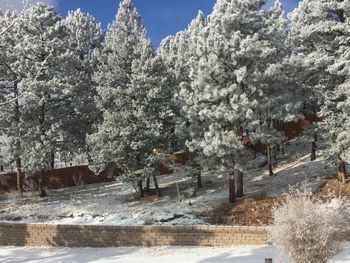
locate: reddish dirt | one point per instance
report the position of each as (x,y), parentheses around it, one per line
(10,182)
(62,178)
(258,211)
(291,130)
(295,129)
(248,211)
(179,158)
(58,178)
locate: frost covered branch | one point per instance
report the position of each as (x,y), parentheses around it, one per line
(309,229)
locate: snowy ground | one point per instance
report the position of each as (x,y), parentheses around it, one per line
(112,204)
(246,254)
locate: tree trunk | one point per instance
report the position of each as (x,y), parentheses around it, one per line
(313,151)
(136,191)
(275,162)
(52,161)
(19,176)
(231,189)
(239,184)
(199,179)
(269,159)
(313,148)
(141,193)
(282,150)
(42,179)
(139,183)
(41,118)
(156,185)
(148,185)
(18,148)
(342,176)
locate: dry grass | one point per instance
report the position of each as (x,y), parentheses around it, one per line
(335,188)
(258,211)
(248,211)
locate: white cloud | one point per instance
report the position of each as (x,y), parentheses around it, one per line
(17,5)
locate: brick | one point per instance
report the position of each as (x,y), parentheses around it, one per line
(102,236)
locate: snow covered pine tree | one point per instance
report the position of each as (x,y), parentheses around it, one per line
(133,97)
(241,53)
(180,56)
(44,62)
(85,36)
(320,35)
(10,114)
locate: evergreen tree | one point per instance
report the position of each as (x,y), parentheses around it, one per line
(10,92)
(85,36)
(180,56)
(133,97)
(150,79)
(237,90)
(216,107)
(319,33)
(276,97)
(44,62)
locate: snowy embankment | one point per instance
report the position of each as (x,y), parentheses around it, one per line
(112,203)
(246,254)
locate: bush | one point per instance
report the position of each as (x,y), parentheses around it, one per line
(308,229)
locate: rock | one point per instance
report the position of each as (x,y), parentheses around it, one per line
(43,217)
(189,193)
(66,215)
(258,162)
(148,222)
(96,215)
(259,195)
(175,216)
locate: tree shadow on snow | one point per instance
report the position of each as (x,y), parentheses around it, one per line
(65,255)
(246,255)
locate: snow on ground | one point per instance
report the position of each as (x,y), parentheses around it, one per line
(112,203)
(246,254)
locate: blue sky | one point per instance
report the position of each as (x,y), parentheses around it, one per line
(161,17)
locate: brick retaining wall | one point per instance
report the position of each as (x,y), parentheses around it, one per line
(114,236)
